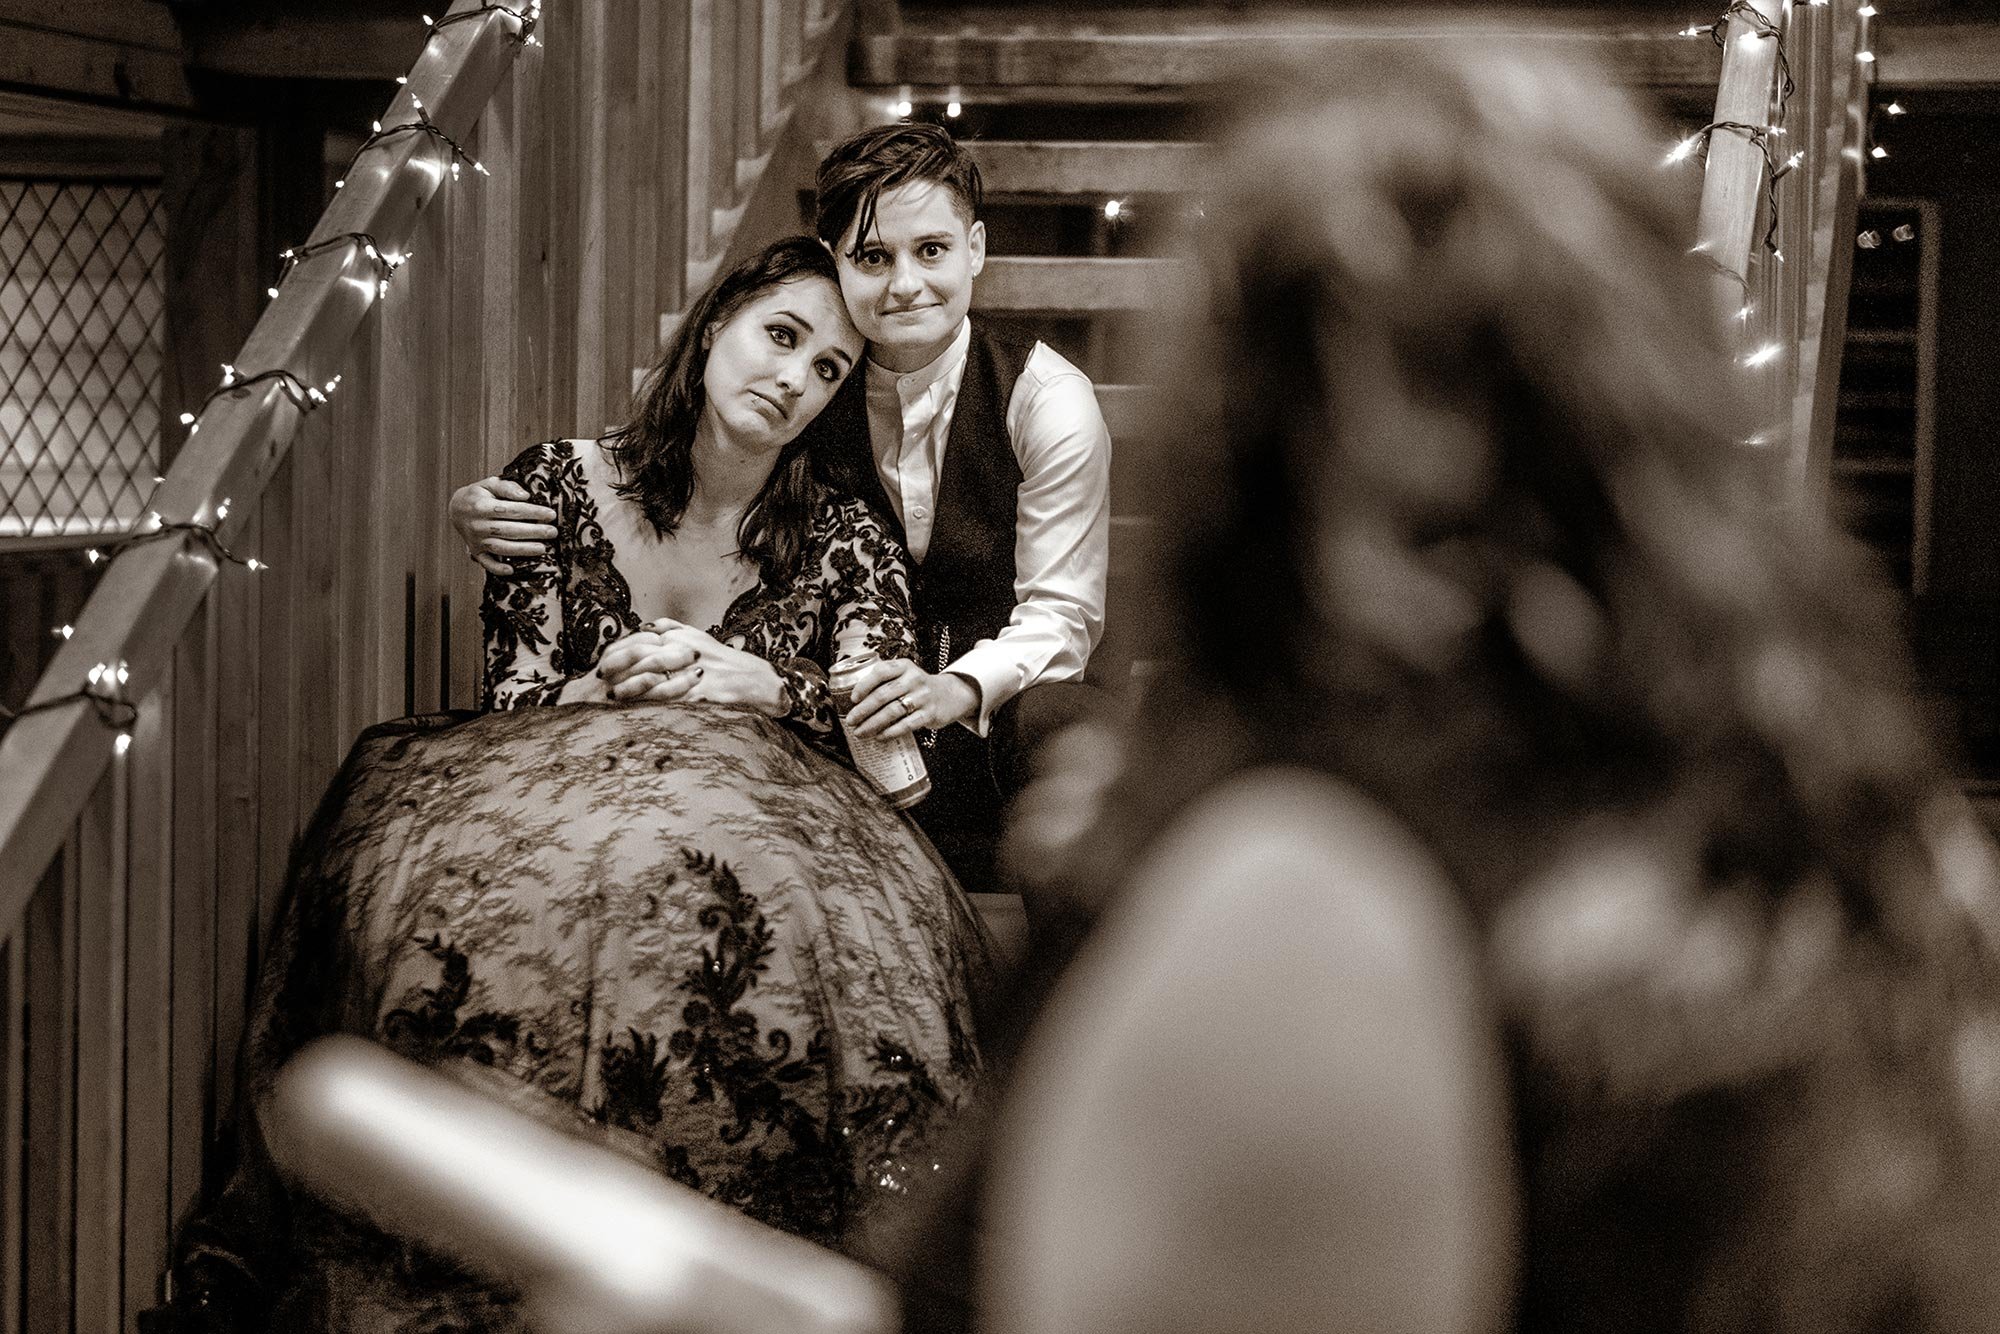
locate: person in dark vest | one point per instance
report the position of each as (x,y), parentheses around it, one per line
(989,459)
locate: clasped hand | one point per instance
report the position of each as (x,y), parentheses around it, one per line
(666,659)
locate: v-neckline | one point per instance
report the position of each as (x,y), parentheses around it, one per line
(621,588)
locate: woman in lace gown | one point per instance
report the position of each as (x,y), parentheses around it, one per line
(667,907)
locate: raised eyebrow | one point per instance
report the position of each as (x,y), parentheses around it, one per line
(846,362)
(797,318)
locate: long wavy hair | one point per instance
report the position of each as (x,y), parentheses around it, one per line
(1456,507)
(654,451)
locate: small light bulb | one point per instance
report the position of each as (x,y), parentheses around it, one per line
(222,510)
(416,102)
(254,565)
(271,292)
(65,631)
(194,428)
(375,125)
(1744,314)
(159,520)
(480,167)
(402,78)
(1878,152)
(1865,57)
(454,171)
(1112,208)
(428,23)
(96,673)
(286,253)
(124,674)
(368,250)
(1680,151)
(187,419)
(1905,233)
(228,372)
(1896,109)
(340,184)
(903,108)
(121,743)
(1763,355)
(1866,11)
(952,109)
(381,288)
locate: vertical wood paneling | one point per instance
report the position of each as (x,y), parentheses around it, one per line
(422,450)
(617,276)
(191,1100)
(49,938)
(560,123)
(649,194)
(314,580)
(100,1052)
(148,1004)
(705,17)
(589,112)
(14,1086)
(533,415)
(481,292)
(357,445)
(237,667)
(670,125)
(278,681)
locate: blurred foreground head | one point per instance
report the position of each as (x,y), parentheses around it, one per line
(1459,505)
(1456,509)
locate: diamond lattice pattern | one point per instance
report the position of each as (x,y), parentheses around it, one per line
(80,355)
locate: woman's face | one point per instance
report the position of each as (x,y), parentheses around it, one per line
(774,364)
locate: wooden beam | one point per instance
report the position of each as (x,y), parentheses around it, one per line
(308,46)
(99,69)
(1964,54)
(949,53)
(1038,283)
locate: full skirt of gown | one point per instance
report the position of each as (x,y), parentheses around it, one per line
(682,921)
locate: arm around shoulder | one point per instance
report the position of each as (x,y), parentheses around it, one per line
(1267,1097)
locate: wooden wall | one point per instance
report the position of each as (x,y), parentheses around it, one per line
(621,153)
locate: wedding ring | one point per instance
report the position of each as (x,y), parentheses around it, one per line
(905,703)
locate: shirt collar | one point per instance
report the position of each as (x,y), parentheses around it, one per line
(911,383)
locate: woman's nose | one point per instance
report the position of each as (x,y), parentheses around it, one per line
(790,375)
(903,280)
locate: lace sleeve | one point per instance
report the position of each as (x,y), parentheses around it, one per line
(867,588)
(522,614)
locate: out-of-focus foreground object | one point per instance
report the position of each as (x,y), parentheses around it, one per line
(596,1243)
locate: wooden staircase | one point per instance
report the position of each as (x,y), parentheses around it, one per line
(1081,122)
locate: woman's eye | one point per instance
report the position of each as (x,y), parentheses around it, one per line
(829,372)
(782,336)
(874,259)
(933,250)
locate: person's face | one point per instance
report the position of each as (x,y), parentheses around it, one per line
(774,364)
(909,284)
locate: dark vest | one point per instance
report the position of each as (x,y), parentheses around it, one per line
(963,591)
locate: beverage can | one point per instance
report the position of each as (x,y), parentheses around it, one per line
(895,765)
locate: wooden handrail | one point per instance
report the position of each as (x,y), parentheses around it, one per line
(1786,301)
(50,761)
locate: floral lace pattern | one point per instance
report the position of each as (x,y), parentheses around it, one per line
(551,621)
(681,929)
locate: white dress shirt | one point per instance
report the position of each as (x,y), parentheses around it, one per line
(1062,516)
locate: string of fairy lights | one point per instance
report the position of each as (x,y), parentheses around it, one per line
(1764,138)
(104,685)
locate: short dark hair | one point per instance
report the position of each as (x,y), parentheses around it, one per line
(654,451)
(863,165)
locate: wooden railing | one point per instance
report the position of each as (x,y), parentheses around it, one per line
(1799,70)
(139,865)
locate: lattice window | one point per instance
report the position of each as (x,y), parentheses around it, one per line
(80,355)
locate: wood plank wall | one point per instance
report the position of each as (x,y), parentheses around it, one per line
(529,298)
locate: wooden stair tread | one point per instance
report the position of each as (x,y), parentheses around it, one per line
(1075,284)
(1091,168)
(1175,50)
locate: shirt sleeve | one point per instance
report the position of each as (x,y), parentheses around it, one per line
(522,614)
(1062,538)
